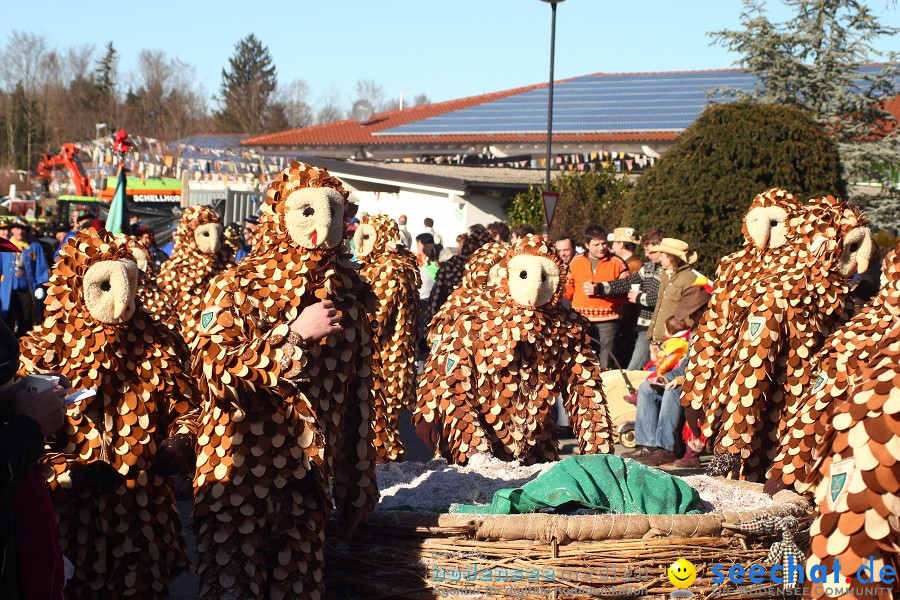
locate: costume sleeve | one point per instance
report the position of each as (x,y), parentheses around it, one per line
(354,477)
(233,360)
(585,402)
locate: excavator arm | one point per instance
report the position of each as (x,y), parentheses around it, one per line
(66,158)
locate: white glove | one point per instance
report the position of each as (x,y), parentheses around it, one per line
(40,293)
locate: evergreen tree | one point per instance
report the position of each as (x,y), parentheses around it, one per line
(247,86)
(700,189)
(105,73)
(812,62)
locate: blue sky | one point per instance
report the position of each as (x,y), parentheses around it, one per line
(446,49)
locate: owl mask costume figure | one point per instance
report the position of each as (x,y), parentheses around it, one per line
(492,380)
(753,358)
(855,465)
(392,272)
(836,367)
(285,428)
(481,272)
(154,300)
(198,257)
(108,468)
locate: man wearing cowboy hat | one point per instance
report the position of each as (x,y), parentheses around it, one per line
(675,258)
(624,241)
(22,276)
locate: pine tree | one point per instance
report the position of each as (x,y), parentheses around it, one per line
(105,73)
(247,86)
(812,62)
(700,189)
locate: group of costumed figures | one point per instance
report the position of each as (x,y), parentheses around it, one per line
(277,383)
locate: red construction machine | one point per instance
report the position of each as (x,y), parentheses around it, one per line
(65,158)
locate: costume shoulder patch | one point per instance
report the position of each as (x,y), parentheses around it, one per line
(840,473)
(755,326)
(451,363)
(819,383)
(208,317)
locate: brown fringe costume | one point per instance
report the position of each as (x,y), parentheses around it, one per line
(285,424)
(186,275)
(394,276)
(126,542)
(492,380)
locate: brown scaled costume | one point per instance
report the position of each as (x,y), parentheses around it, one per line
(125,542)
(392,272)
(835,368)
(198,257)
(285,423)
(757,381)
(153,298)
(493,379)
(480,273)
(856,467)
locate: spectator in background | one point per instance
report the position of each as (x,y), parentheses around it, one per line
(499,232)
(24,274)
(520,231)
(586,273)
(4,228)
(565,249)
(134,225)
(642,289)
(624,242)
(422,240)
(675,258)
(659,412)
(251,223)
(81,220)
(148,238)
(405,235)
(429,228)
(169,247)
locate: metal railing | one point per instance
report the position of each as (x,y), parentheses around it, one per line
(233,205)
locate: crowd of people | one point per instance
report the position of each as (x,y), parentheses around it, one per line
(243,335)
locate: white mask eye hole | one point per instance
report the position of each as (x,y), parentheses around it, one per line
(309,211)
(523,274)
(105,286)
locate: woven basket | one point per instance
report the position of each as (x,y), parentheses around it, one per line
(428,555)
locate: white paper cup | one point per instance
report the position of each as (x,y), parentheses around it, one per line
(35,384)
(635,287)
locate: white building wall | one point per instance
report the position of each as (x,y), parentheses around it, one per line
(448,213)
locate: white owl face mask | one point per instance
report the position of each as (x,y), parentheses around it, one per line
(533,280)
(109,290)
(314,217)
(209,237)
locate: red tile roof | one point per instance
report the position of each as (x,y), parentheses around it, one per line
(351,132)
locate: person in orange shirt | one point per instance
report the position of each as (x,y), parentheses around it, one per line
(595,266)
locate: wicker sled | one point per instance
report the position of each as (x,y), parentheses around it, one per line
(427,555)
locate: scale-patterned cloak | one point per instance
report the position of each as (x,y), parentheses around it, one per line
(126,542)
(286,423)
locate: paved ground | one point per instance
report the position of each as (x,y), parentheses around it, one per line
(185,587)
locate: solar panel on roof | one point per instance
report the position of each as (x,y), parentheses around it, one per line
(627,102)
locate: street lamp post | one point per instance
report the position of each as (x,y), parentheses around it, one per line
(552,4)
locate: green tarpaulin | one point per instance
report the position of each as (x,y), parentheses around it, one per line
(602,482)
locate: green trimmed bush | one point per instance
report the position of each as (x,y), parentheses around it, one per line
(700,189)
